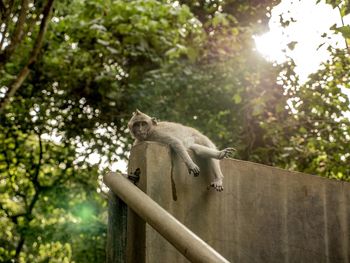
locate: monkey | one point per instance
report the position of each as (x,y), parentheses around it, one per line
(180,138)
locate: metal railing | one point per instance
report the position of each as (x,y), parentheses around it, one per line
(185,241)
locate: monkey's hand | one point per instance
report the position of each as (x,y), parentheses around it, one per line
(225,153)
(193,168)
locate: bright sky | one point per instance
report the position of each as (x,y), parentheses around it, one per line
(312,20)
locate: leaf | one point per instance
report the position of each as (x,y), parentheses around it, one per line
(176,51)
(112,50)
(302,130)
(220,19)
(257,109)
(344,30)
(237,99)
(192,54)
(102,42)
(98,27)
(292,45)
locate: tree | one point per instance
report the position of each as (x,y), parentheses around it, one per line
(49,203)
(17,20)
(50,208)
(317,133)
(190,61)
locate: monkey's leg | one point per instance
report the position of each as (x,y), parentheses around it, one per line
(206,152)
(215,170)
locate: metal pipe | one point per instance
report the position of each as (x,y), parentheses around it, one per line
(185,241)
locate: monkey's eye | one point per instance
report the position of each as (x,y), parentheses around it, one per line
(140,124)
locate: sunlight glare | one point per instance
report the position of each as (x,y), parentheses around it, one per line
(271,46)
(311,21)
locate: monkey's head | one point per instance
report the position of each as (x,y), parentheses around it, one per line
(140,125)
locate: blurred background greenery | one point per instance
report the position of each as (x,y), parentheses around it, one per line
(72,72)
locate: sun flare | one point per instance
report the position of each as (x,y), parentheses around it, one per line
(311,21)
(270,46)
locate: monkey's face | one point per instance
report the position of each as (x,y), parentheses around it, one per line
(141,129)
(140,125)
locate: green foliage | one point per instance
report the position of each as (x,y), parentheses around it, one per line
(189,61)
(321,131)
(47,200)
(345,30)
(316,135)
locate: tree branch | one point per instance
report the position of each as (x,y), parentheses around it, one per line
(32,59)
(35,178)
(5,18)
(5,10)
(343,24)
(17,35)
(19,248)
(2,9)
(38,189)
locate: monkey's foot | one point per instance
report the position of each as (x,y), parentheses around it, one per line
(225,153)
(217,184)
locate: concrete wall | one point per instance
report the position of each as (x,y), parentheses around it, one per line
(265,214)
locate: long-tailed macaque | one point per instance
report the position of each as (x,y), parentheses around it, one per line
(180,138)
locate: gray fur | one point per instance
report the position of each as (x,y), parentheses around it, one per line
(180,138)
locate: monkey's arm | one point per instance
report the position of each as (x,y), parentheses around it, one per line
(180,149)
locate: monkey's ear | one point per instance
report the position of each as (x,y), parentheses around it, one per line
(136,112)
(154,121)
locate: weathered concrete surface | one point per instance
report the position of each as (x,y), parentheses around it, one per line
(265,214)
